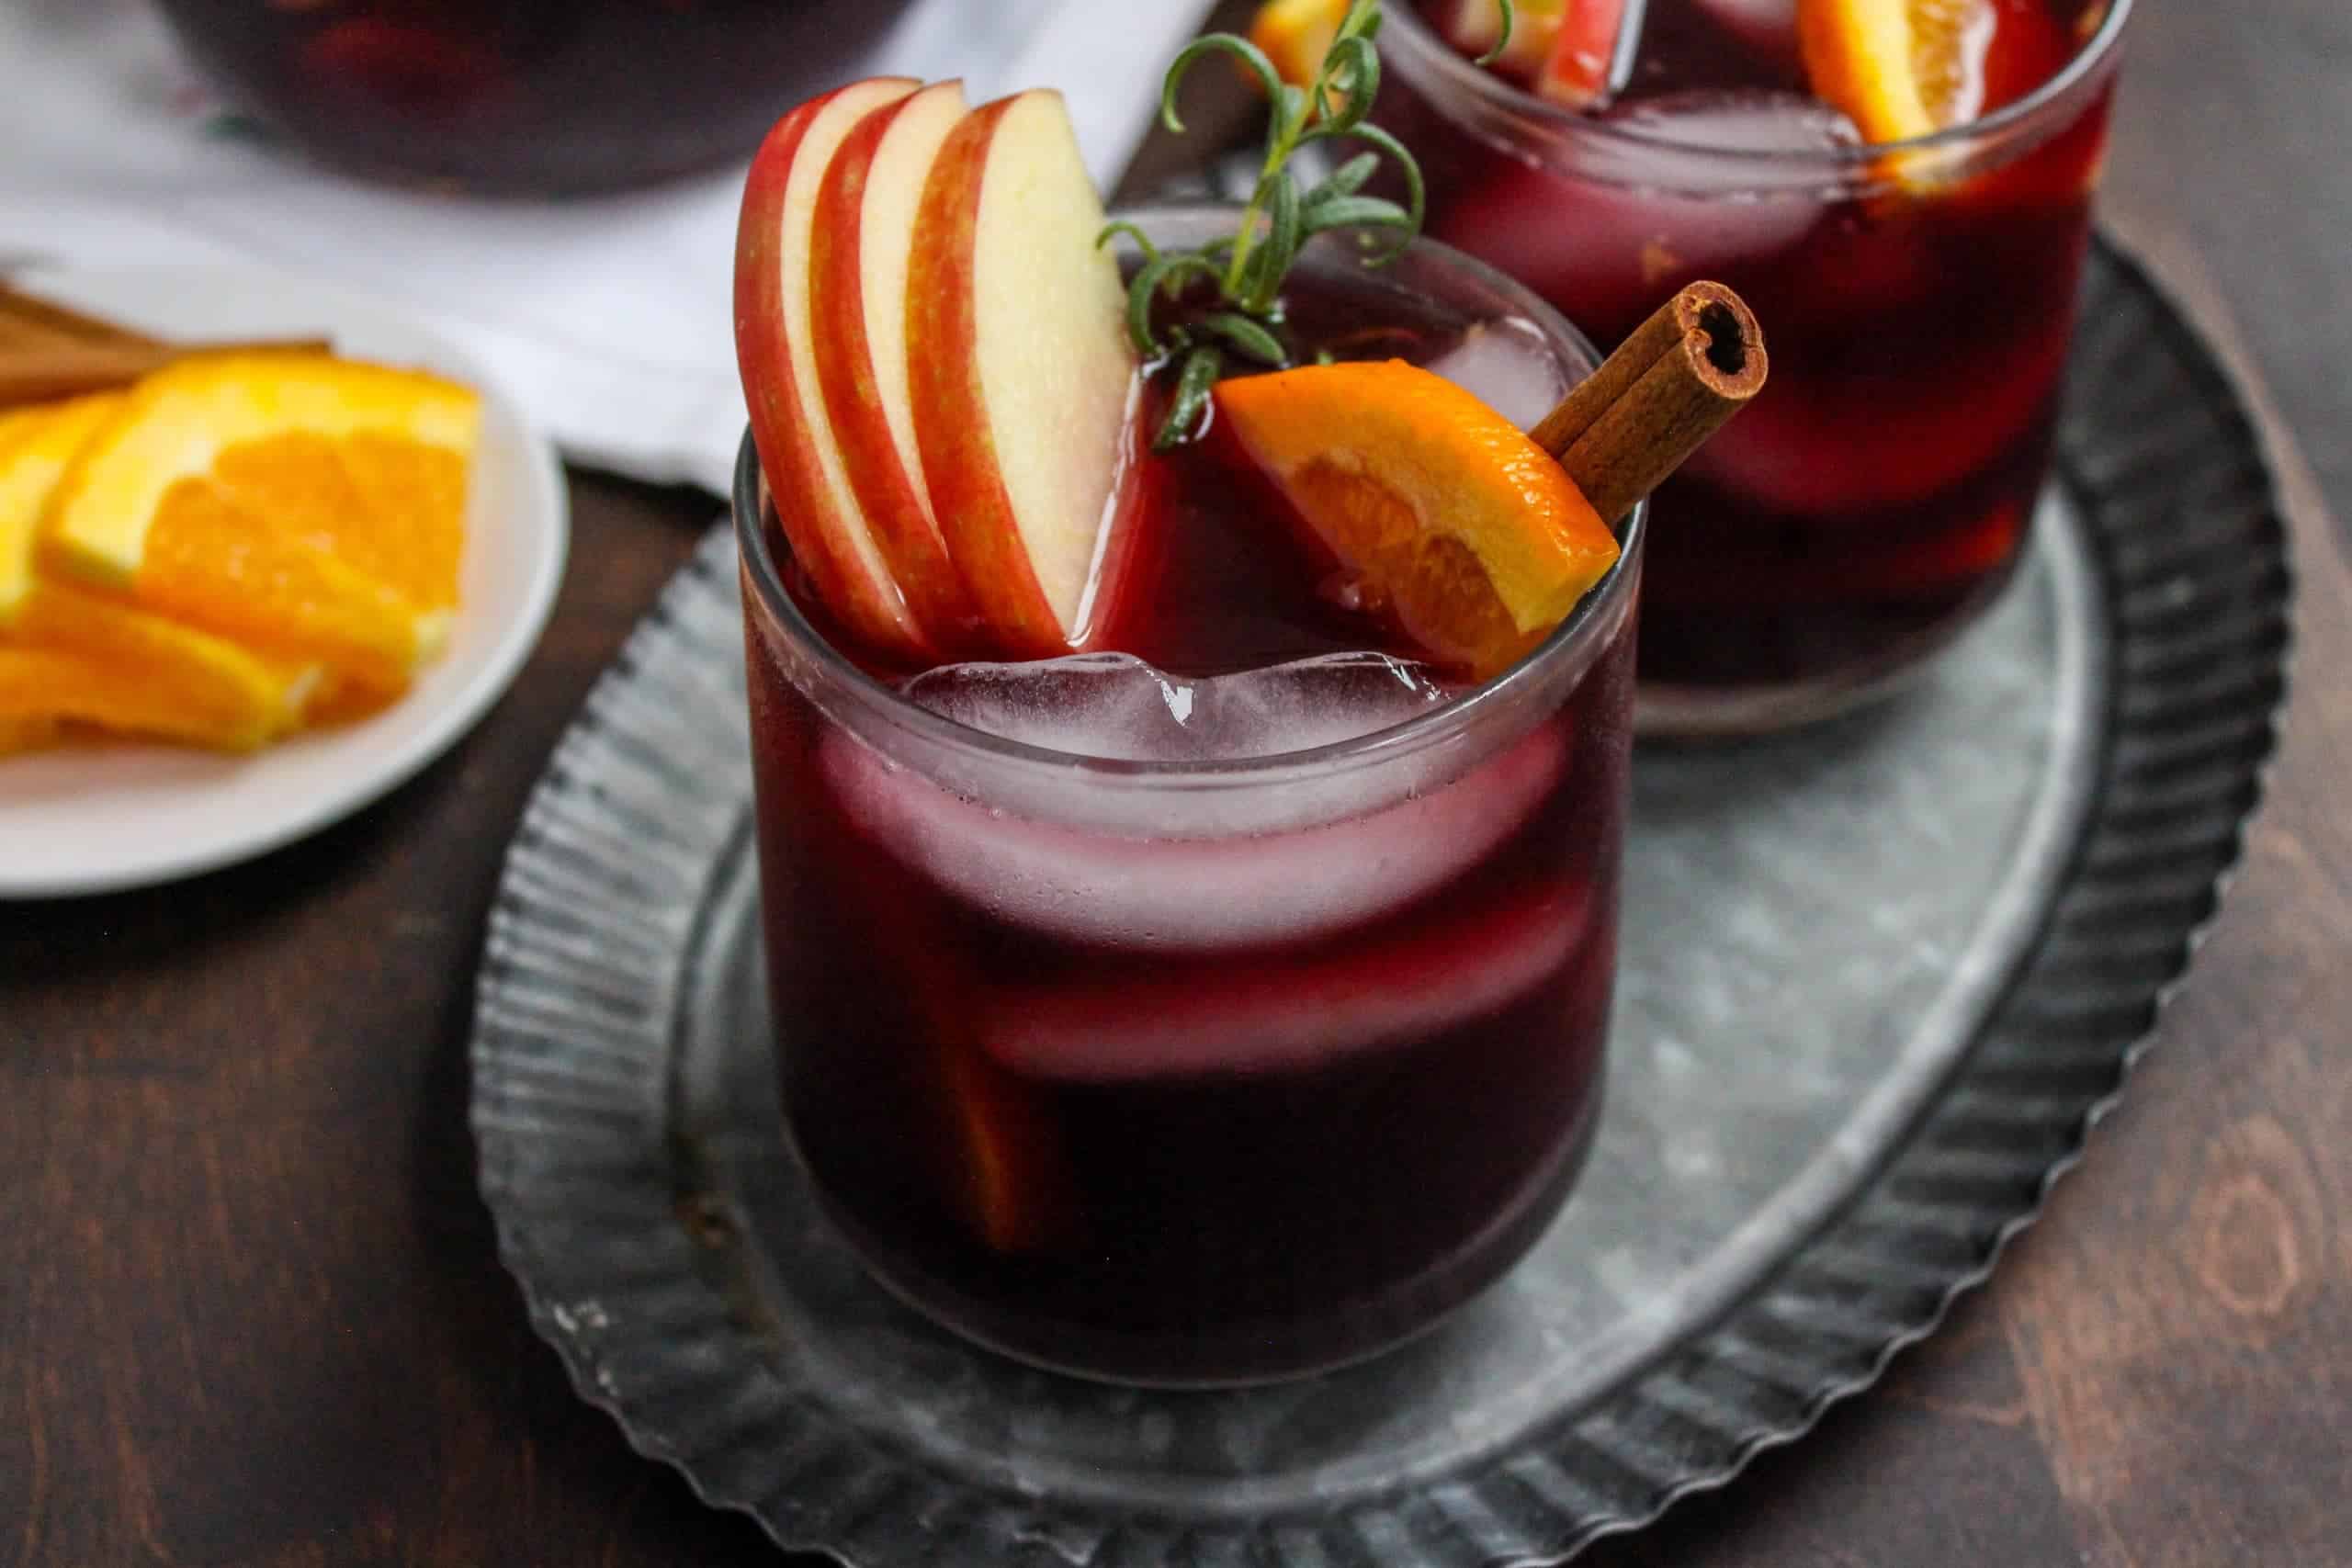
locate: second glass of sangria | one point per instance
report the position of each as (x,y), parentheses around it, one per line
(1902,188)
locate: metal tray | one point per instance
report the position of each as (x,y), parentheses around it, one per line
(1879,979)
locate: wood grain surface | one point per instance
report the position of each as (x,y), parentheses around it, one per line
(250,1312)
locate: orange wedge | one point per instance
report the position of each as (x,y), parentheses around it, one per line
(310,508)
(67,655)
(142,675)
(1898,69)
(1297,34)
(1444,512)
(36,445)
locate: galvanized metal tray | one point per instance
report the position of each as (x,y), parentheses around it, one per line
(1879,979)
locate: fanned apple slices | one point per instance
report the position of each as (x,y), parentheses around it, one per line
(934,354)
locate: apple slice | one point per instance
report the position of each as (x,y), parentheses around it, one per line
(1283,1013)
(1473,26)
(1022,378)
(861,244)
(1576,72)
(774,347)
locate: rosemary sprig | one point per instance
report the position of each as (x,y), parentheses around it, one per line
(1245,270)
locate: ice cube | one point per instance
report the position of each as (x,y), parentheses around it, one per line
(1090,857)
(1116,705)
(1741,120)
(1507,365)
(1100,705)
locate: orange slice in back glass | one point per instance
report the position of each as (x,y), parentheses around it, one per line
(1903,69)
(1446,514)
(1297,34)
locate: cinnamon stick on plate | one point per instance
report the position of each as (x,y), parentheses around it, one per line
(40,373)
(50,351)
(1619,432)
(27,318)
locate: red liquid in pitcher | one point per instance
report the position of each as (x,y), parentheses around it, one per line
(1216,1087)
(1880,488)
(526,94)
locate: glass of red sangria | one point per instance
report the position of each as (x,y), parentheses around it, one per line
(1913,232)
(1232,1005)
(542,97)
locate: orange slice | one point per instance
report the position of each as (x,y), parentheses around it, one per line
(75,657)
(309,507)
(67,655)
(393,509)
(1297,34)
(36,445)
(1898,69)
(1449,517)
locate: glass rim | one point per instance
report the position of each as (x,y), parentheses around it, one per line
(1577,639)
(1425,48)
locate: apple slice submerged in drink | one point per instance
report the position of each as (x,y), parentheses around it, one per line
(1277,1013)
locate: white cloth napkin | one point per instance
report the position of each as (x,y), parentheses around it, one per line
(608,318)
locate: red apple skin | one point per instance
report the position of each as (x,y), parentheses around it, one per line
(903,525)
(959,459)
(1135,552)
(1576,75)
(871,612)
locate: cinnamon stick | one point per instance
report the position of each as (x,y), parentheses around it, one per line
(1695,363)
(42,373)
(26,317)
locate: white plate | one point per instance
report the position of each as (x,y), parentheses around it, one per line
(94,818)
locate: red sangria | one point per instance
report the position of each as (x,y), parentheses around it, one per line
(1910,220)
(1224,1007)
(1190,713)
(540,95)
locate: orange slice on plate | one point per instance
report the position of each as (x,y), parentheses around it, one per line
(1898,69)
(142,675)
(311,508)
(1445,513)
(36,445)
(71,656)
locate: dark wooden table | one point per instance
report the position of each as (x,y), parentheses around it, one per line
(249,1311)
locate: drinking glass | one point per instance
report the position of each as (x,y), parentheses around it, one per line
(1194,1073)
(1918,299)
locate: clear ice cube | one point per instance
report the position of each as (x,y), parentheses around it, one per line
(1508,365)
(1113,705)
(1259,861)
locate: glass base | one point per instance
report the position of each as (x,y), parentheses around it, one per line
(1239,1355)
(1707,712)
